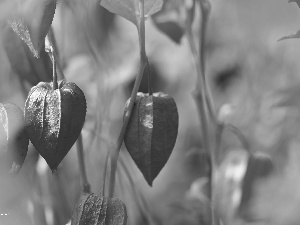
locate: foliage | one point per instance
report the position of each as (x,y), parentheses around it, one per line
(243,105)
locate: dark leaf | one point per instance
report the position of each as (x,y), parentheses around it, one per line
(292,36)
(175,18)
(92,209)
(13,136)
(296,1)
(152,132)
(54,119)
(129,9)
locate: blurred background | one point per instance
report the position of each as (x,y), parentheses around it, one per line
(254,78)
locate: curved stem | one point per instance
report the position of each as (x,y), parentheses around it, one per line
(52,41)
(203,98)
(104,174)
(86,188)
(198,94)
(205,12)
(143,63)
(241,137)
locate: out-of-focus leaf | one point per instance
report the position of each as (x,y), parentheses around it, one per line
(259,166)
(289,97)
(175,17)
(13,136)
(296,1)
(23,63)
(292,36)
(228,181)
(33,22)
(198,190)
(129,9)
(92,209)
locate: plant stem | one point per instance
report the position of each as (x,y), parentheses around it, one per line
(55,85)
(143,63)
(205,12)
(150,88)
(104,173)
(52,41)
(203,98)
(86,188)
(240,136)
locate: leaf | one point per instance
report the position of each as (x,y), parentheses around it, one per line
(129,9)
(152,132)
(33,21)
(259,166)
(175,18)
(296,1)
(296,35)
(27,67)
(21,29)
(289,97)
(13,136)
(92,209)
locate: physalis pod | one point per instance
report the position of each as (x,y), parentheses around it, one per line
(92,209)
(151,132)
(54,119)
(13,138)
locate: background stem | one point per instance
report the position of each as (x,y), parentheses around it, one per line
(143,63)
(104,174)
(86,188)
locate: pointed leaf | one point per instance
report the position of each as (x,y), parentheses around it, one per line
(175,18)
(13,138)
(27,67)
(296,1)
(33,22)
(19,26)
(152,132)
(129,9)
(92,209)
(292,36)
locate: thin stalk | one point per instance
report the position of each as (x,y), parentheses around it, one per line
(54,74)
(52,41)
(150,88)
(143,63)
(104,173)
(240,136)
(86,188)
(205,12)
(198,95)
(203,98)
